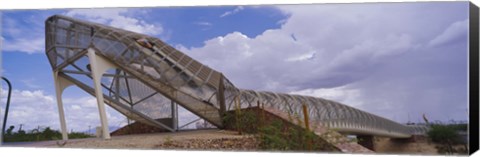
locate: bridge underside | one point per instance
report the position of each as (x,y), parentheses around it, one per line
(146,79)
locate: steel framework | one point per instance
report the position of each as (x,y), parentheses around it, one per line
(144,78)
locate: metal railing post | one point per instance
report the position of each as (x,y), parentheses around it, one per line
(6,109)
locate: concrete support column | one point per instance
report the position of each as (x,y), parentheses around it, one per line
(60,85)
(366,141)
(221,96)
(174,116)
(98,67)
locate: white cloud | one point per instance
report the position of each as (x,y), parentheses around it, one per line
(35,108)
(2,71)
(1,41)
(318,53)
(306,56)
(343,94)
(348,56)
(23,39)
(30,107)
(76,107)
(28,45)
(455,31)
(30,83)
(203,23)
(26,34)
(234,11)
(117,18)
(11,27)
(370,52)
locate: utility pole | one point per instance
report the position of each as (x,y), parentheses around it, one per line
(408,115)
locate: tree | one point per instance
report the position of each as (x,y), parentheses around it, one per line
(39,135)
(444,134)
(10,129)
(49,133)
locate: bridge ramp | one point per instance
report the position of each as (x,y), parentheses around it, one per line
(150,74)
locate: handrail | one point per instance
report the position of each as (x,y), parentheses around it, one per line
(6,108)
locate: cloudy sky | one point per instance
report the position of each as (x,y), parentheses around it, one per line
(395,60)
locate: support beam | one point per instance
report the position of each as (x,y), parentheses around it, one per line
(116,75)
(115,104)
(99,66)
(60,85)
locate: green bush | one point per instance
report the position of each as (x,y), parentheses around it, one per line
(39,135)
(271,137)
(243,122)
(446,135)
(275,134)
(443,134)
(279,136)
(76,135)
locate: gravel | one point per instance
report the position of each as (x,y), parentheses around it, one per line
(215,139)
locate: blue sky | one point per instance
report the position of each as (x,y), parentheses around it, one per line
(396,60)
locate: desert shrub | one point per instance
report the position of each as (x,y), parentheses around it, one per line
(39,135)
(275,134)
(446,135)
(271,137)
(243,122)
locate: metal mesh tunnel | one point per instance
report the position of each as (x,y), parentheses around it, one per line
(151,76)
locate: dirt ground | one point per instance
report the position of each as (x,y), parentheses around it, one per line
(386,146)
(217,140)
(155,140)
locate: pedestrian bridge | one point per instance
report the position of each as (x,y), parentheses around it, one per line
(147,80)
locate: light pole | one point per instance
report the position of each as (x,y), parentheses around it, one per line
(6,108)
